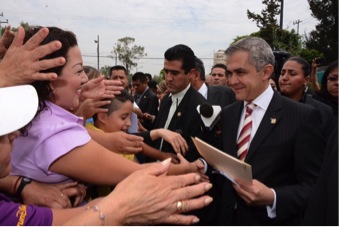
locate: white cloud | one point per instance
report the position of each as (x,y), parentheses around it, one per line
(205,26)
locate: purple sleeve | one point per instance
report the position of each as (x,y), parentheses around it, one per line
(19,214)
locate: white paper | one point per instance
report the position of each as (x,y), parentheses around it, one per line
(227,165)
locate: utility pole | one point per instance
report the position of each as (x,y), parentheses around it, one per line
(281,14)
(97,42)
(297,22)
(2,22)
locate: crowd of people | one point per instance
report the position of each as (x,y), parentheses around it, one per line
(80,149)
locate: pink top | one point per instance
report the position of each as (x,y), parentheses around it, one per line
(53,133)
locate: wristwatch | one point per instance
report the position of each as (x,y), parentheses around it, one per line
(23,183)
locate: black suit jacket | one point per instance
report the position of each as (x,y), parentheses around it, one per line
(149,104)
(328,122)
(322,208)
(185,121)
(285,154)
(220,95)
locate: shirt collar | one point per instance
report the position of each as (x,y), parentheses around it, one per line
(142,94)
(264,99)
(203,90)
(181,94)
(59,111)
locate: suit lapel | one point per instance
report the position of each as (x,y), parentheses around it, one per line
(271,118)
(143,98)
(180,111)
(163,112)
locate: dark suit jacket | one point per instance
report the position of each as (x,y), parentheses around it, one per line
(285,155)
(185,121)
(220,95)
(149,104)
(328,122)
(322,208)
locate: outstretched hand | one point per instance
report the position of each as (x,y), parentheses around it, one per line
(21,63)
(5,41)
(99,88)
(53,195)
(150,197)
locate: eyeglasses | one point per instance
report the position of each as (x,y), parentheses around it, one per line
(332,79)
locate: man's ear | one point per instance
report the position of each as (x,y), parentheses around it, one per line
(267,71)
(192,74)
(102,117)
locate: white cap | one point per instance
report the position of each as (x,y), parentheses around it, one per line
(18,106)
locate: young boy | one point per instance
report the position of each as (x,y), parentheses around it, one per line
(118,117)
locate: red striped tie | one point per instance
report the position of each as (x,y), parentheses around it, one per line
(245,133)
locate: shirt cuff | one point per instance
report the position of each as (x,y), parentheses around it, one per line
(271,210)
(205,164)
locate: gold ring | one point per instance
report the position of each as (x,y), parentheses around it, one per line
(179,206)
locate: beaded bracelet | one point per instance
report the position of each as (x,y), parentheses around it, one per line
(101,215)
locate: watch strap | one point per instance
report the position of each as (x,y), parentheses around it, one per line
(23,183)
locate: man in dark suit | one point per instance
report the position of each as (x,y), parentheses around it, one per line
(177,110)
(322,208)
(285,146)
(215,95)
(218,74)
(145,99)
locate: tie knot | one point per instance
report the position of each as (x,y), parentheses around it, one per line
(250,107)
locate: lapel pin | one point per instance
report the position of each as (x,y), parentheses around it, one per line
(273,121)
(179,114)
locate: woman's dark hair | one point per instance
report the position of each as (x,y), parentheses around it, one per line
(323,90)
(305,66)
(68,40)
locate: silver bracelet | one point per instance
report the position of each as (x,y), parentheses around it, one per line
(96,209)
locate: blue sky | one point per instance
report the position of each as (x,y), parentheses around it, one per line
(204,25)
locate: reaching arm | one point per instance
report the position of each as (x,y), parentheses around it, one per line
(178,143)
(158,155)
(119,142)
(93,163)
(314,77)
(46,195)
(147,197)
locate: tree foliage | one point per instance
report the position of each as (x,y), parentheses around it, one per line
(128,53)
(105,70)
(14,29)
(325,36)
(281,39)
(267,22)
(267,18)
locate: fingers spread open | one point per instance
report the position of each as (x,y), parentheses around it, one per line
(36,39)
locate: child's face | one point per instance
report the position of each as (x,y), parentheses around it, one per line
(120,120)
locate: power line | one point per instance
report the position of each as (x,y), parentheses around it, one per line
(143,58)
(297,22)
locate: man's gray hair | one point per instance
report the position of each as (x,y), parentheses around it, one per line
(260,53)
